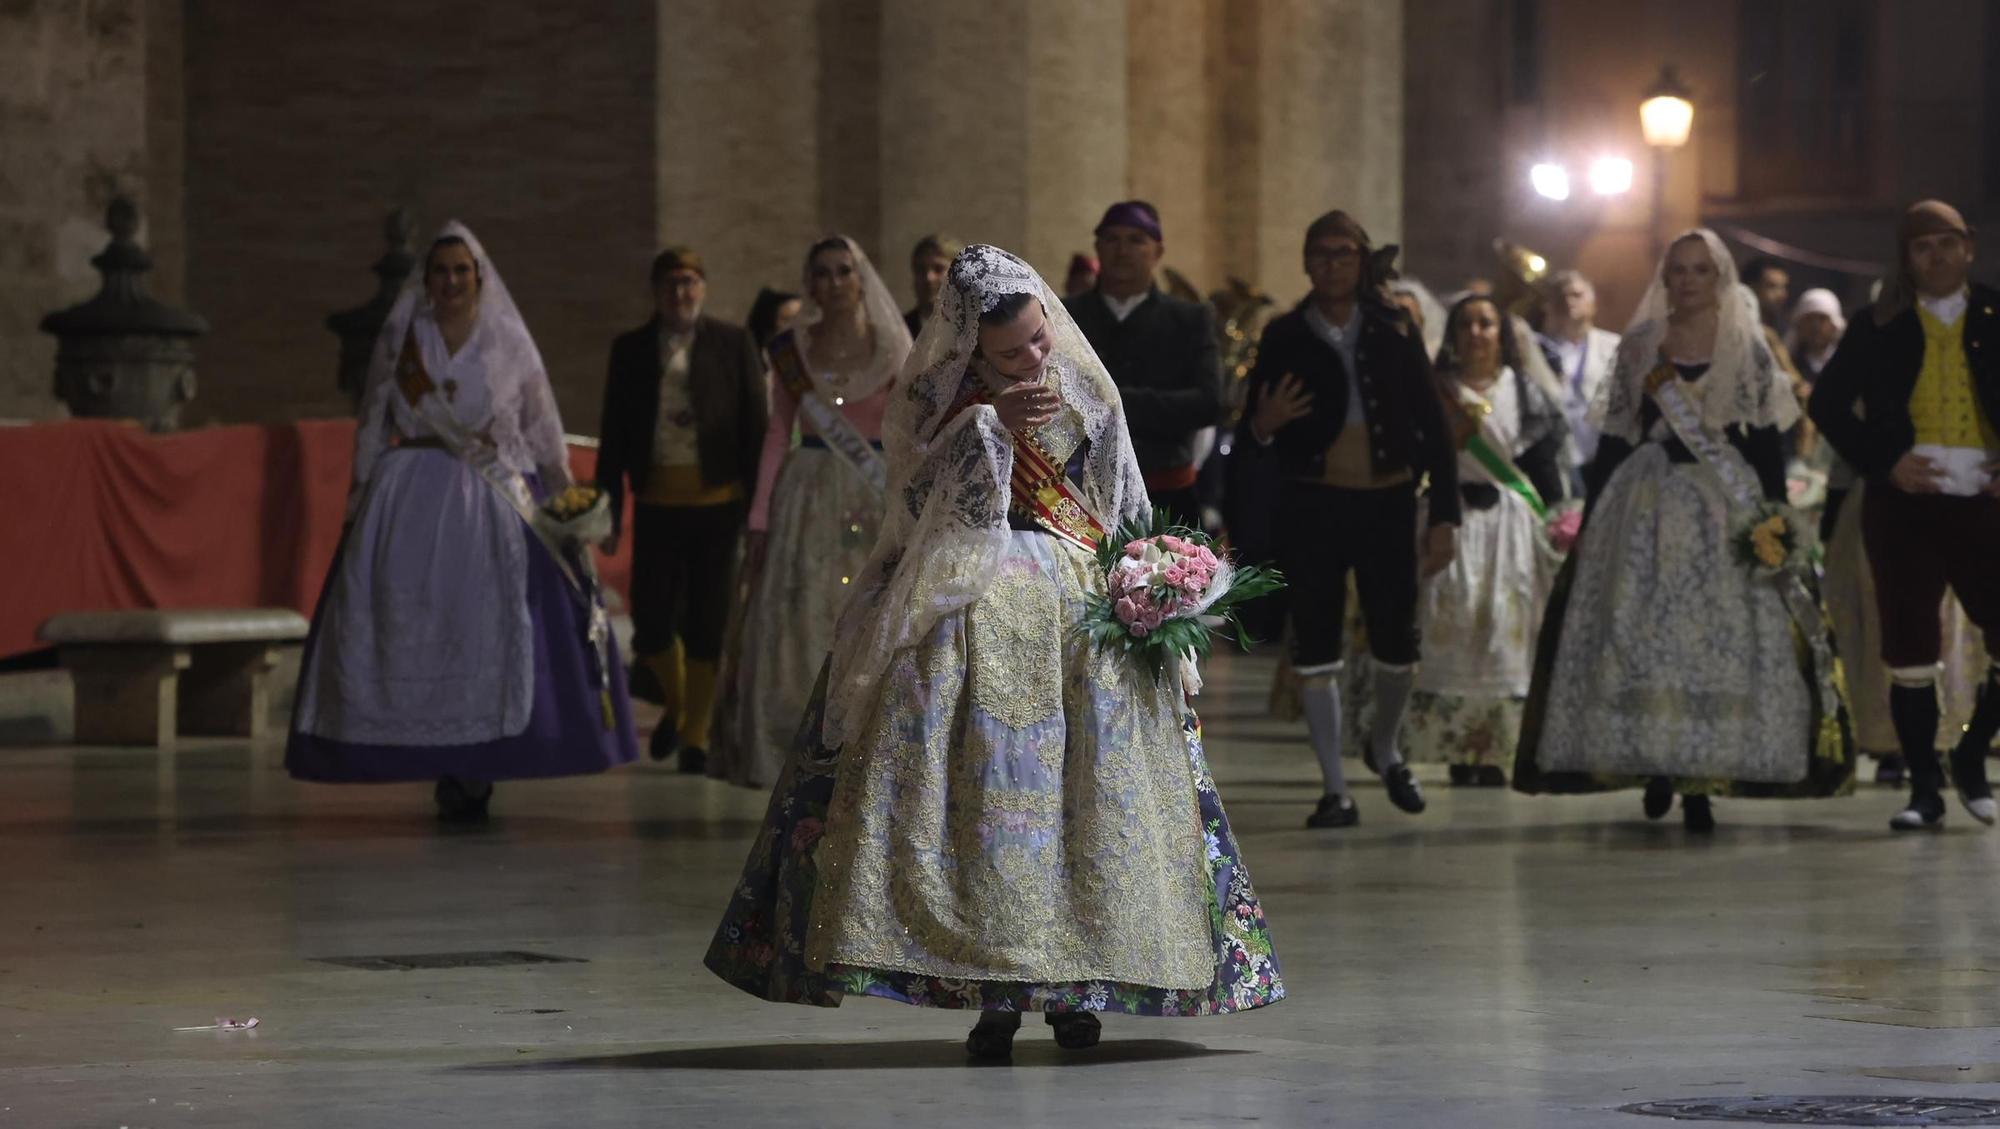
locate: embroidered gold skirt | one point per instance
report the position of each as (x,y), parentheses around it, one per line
(1019,806)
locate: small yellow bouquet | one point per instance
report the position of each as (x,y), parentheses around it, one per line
(1771,539)
(582,513)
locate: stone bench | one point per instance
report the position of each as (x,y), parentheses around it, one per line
(143,677)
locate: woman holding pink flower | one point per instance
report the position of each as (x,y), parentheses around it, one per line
(986,808)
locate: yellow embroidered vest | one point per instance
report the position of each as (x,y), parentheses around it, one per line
(1944,406)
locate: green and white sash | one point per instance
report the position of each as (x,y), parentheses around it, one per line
(1489,450)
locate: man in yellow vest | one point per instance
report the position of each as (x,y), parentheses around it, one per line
(1912,401)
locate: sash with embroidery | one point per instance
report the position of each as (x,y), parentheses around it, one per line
(1040,488)
(1491,454)
(420,392)
(838,432)
(1740,484)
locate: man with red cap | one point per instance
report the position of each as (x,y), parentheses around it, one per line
(1159,350)
(1911,400)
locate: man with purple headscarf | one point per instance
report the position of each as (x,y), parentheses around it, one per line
(1160,351)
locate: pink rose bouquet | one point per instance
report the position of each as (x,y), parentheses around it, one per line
(1165,590)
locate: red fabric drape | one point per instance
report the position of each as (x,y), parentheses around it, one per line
(102,515)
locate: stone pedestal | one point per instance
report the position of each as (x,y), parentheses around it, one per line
(225,691)
(124,354)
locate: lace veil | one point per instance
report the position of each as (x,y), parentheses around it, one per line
(1743,385)
(507,395)
(892,333)
(946,528)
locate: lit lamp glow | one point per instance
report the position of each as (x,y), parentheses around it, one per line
(1611,176)
(1667,114)
(1550,181)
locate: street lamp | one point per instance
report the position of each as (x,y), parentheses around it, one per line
(1666,117)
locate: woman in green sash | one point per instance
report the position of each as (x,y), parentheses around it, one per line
(1666,658)
(1480,614)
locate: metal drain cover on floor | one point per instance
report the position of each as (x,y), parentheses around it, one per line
(447,960)
(1822,1110)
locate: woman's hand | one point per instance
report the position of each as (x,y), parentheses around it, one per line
(1025,407)
(1440,549)
(1286,401)
(755,541)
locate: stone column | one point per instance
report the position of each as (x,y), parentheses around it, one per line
(1021,142)
(1175,154)
(1311,111)
(737,141)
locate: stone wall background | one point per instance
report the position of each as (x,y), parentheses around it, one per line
(265,143)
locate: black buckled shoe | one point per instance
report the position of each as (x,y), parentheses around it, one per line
(1404,791)
(1659,799)
(1463,775)
(1968,778)
(992,1038)
(1889,770)
(1924,813)
(1075,1030)
(1697,814)
(666,740)
(1489,776)
(693,761)
(1335,810)
(458,802)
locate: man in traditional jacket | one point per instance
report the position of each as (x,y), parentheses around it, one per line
(1348,426)
(1160,351)
(1923,367)
(684,415)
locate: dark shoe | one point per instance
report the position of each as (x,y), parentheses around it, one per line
(1403,789)
(1490,776)
(1968,778)
(1697,814)
(693,761)
(1659,797)
(1889,770)
(1924,813)
(1075,1030)
(643,684)
(1464,775)
(458,802)
(666,741)
(992,1038)
(1334,811)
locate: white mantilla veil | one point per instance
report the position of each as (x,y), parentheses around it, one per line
(950,461)
(1743,386)
(892,333)
(501,336)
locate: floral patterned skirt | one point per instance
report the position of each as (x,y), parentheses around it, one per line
(761,945)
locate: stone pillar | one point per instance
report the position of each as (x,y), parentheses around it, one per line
(1021,143)
(1329,126)
(357,328)
(124,354)
(737,141)
(1176,121)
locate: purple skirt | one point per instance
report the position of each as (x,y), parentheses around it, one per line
(566,733)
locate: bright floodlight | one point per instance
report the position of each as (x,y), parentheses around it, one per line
(1667,115)
(1550,181)
(1611,176)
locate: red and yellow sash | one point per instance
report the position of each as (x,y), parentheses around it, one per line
(1040,489)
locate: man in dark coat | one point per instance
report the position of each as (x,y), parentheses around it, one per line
(1911,400)
(1159,350)
(685,407)
(1343,427)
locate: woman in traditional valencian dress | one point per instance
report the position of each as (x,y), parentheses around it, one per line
(818,506)
(1665,657)
(453,642)
(1480,614)
(983,810)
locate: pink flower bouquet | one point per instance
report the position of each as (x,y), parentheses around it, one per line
(1165,590)
(1564,525)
